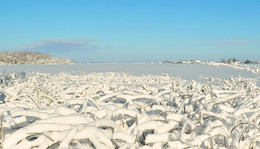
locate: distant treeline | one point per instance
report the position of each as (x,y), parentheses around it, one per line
(26,57)
(234,60)
(228,61)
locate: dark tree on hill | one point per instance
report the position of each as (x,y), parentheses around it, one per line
(248,62)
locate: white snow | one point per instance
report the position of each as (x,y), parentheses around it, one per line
(122,110)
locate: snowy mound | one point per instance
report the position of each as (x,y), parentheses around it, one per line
(118,110)
(20,58)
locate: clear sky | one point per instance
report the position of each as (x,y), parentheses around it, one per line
(132,30)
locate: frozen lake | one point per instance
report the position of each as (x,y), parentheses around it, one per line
(184,71)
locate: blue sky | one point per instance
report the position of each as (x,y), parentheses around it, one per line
(132,30)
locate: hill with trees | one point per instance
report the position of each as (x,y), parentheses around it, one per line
(26,57)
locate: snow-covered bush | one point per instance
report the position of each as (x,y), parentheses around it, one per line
(118,110)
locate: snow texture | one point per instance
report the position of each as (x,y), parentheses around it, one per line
(119,110)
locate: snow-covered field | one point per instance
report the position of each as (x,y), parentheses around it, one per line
(129,106)
(252,68)
(184,71)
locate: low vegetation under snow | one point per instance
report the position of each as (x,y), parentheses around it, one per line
(118,110)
